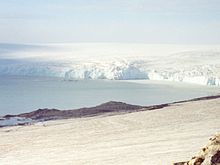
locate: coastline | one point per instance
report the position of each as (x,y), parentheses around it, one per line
(106,109)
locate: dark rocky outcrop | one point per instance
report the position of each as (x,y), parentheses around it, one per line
(109,107)
(215,159)
(209,155)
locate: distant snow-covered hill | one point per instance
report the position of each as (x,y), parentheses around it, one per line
(194,64)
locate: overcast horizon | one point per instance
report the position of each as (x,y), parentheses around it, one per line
(131,21)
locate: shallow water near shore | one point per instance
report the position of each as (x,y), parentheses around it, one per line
(24,94)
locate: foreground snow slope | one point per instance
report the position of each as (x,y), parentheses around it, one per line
(157,137)
(198,64)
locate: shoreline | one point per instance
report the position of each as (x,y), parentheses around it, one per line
(111,108)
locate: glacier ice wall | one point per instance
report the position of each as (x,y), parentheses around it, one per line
(198,74)
(199,67)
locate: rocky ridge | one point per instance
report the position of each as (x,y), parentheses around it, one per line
(209,155)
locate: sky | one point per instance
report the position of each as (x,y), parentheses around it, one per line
(138,21)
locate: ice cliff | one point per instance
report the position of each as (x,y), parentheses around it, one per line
(200,66)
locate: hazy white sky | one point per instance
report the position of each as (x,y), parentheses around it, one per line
(148,21)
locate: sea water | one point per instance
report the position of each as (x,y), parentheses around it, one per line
(24,94)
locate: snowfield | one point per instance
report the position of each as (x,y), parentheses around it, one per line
(198,64)
(158,137)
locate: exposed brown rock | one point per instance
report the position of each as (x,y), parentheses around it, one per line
(209,155)
(109,107)
(216,158)
(180,163)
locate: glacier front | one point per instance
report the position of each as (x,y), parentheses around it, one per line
(199,64)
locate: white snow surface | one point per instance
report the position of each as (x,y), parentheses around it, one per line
(199,64)
(159,137)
